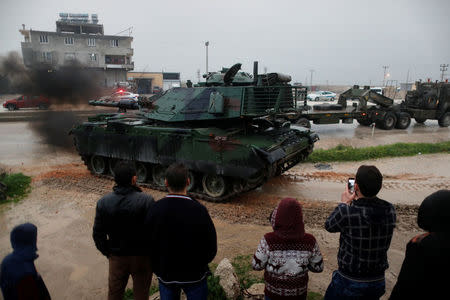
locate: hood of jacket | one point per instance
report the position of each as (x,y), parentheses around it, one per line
(287,220)
(24,241)
(375,210)
(434,212)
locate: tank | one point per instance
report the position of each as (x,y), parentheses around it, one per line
(226,131)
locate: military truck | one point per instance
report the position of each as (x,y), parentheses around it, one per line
(429,101)
(225,130)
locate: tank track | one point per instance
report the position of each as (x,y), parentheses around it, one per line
(195,194)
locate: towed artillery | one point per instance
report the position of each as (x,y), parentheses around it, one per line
(225,130)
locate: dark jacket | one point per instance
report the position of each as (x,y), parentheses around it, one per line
(183,239)
(366,227)
(18,276)
(119,222)
(424,272)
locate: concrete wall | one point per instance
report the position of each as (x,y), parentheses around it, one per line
(156,77)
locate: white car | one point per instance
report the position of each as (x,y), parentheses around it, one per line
(321,95)
(378,90)
(121,95)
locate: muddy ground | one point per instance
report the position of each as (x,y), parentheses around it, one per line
(64,194)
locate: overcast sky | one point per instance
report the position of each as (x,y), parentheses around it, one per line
(345,42)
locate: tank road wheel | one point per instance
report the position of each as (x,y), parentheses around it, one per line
(141,172)
(214,185)
(304,122)
(420,120)
(388,121)
(158,175)
(112,163)
(98,164)
(238,185)
(191,181)
(444,121)
(403,121)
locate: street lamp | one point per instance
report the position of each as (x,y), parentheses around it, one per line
(206,45)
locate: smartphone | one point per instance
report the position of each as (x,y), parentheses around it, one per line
(351,185)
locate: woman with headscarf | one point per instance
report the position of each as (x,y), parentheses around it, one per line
(19,279)
(287,253)
(424,272)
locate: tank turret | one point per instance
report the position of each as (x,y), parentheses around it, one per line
(225,130)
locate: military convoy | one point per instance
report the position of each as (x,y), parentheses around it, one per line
(430,101)
(225,130)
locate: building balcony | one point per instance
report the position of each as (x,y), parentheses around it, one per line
(120,66)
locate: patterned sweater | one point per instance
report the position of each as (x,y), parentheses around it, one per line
(286,265)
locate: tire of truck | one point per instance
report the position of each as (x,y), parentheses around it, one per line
(403,121)
(364,122)
(444,120)
(388,121)
(304,122)
(317,99)
(420,121)
(11,107)
(42,106)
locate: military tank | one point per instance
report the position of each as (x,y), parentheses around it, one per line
(226,131)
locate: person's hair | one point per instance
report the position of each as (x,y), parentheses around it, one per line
(369,180)
(124,172)
(176,176)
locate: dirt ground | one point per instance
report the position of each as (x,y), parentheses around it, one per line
(62,205)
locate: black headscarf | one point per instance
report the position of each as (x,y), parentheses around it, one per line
(434,212)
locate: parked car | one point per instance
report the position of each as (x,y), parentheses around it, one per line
(321,95)
(157,90)
(378,90)
(27,101)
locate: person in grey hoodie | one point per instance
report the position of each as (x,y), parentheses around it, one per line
(366,224)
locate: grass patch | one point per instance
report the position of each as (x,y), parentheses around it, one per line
(242,265)
(348,153)
(129,295)
(17,186)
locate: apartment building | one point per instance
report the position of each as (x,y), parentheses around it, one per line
(80,38)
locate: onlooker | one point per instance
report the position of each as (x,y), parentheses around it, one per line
(19,279)
(287,253)
(427,257)
(119,234)
(183,239)
(366,224)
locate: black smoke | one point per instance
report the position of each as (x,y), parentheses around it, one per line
(71,86)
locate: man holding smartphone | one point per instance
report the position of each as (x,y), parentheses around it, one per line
(366,224)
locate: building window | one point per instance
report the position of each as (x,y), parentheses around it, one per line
(69,56)
(115,43)
(43,39)
(91,42)
(68,40)
(46,56)
(93,56)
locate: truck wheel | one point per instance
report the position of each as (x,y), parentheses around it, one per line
(420,121)
(388,121)
(304,122)
(11,107)
(403,121)
(444,121)
(317,99)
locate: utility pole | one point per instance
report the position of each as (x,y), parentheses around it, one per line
(384,75)
(265,70)
(310,81)
(206,45)
(198,75)
(444,67)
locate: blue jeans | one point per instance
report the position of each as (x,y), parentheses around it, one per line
(344,288)
(193,291)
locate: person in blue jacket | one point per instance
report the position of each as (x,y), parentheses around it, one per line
(19,279)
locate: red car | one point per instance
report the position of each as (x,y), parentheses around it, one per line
(27,102)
